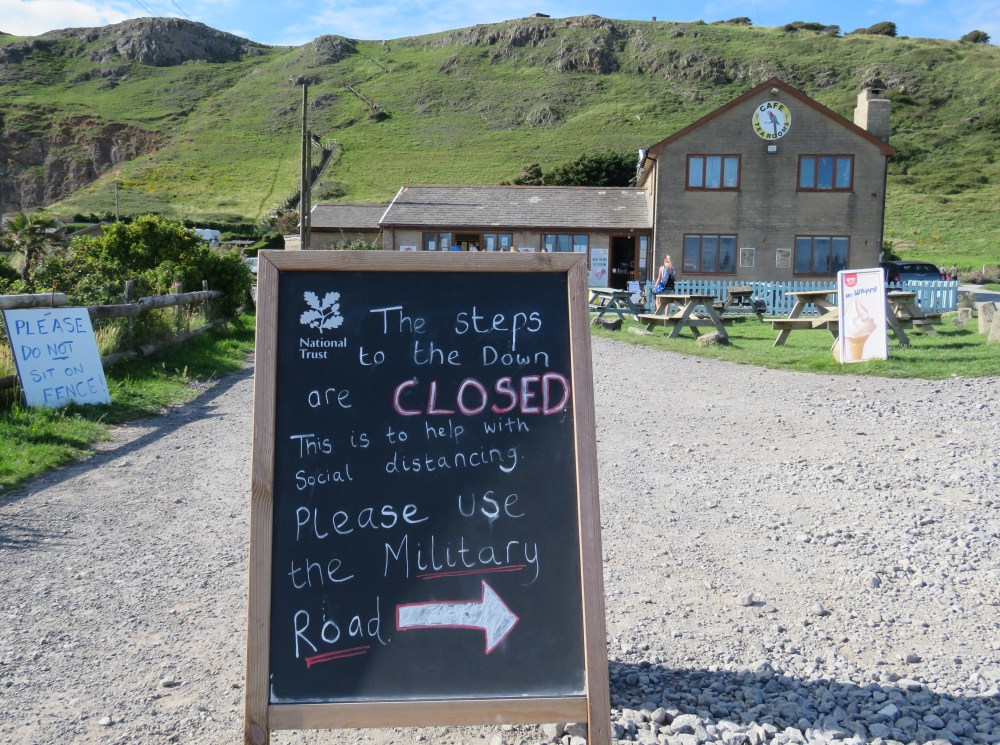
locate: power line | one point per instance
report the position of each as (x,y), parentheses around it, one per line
(143,6)
(758,13)
(189,17)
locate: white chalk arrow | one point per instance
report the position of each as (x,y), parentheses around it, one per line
(490,614)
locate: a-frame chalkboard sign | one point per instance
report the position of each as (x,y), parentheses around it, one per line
(425,542)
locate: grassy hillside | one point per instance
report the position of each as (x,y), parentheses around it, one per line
(476,105)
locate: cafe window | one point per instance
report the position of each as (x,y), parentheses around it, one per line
(497,241)
(713,172)
(821,254)
(552,243)
(437,241)
(826,172)
(709,254)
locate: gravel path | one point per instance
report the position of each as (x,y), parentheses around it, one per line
(789,558)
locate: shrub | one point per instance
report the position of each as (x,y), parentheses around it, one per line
(8,273)
(885,28)
(288,223)
(797,25)
(608,168)
(976,37)
(358,244)
(153,252)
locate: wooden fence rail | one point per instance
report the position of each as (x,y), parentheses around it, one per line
(126,310)
(149,303)
(43,300)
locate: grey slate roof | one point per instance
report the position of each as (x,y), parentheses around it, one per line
(570,207)
(349,217)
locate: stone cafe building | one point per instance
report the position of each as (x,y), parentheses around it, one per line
(771,186)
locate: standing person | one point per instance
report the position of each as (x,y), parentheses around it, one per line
(665,278)
(943,271)
(953,272)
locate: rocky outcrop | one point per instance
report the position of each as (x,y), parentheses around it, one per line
(150,41)
(331,49)
(43,167)
(17,52)
(170,41)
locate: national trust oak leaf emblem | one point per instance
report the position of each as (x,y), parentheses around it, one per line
(324,315)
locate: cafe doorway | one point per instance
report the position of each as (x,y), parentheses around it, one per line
(468,240)
(622,261)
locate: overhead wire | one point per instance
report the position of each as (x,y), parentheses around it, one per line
(143,6)
(182,9)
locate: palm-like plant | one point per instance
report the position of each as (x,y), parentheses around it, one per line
(30,236)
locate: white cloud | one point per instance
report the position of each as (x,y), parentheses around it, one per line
(984,15)
(33,17)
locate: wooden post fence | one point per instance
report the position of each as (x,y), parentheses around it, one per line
(128,310)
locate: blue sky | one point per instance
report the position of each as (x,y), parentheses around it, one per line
(298,21)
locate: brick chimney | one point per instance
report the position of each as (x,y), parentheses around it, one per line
(872,112)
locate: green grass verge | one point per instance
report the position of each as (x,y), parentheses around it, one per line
(953,351)
(36,440)
(993,288)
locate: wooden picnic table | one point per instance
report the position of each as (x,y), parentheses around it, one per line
(737,299)
(785,326)
(603,299)
(898,316)
(904,307)
(685,317)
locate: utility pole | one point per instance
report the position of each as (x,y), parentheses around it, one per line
(117,218)
(304,174)
(309,189)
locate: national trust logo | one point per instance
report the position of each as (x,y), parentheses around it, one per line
(771,120)
(324,315)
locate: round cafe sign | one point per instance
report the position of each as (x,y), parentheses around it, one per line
(771,120)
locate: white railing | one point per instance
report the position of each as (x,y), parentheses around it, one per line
(932,296)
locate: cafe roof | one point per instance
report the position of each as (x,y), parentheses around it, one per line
(344,216)
(534,207)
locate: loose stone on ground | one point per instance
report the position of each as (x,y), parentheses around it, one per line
(876,500)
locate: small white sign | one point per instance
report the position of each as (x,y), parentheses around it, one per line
(56,356)
(414,248)
(598,267)
(862,315)
(526,249)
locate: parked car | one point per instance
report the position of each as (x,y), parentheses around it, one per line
(910,271)
(251,261)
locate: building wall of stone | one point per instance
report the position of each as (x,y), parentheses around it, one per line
(767,212)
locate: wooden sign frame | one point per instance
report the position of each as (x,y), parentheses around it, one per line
(261,717)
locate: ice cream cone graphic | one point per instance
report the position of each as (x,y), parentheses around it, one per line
(858,328)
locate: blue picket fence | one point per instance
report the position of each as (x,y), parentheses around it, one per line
(932,296)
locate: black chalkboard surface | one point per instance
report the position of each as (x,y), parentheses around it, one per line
(406,517)
(424,490)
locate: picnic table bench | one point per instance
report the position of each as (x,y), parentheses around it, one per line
(686,316)
(604,299)
(785,326)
